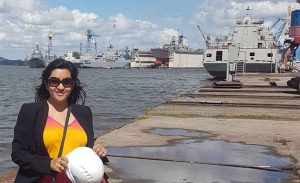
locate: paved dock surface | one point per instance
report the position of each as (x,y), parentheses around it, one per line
(257,113)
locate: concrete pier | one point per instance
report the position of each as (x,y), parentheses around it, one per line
(260,112)
(263,112)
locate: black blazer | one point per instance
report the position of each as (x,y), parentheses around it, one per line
(28,149)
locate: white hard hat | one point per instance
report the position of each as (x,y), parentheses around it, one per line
(84,166)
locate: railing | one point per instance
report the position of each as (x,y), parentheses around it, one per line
(242,46)
(240,68)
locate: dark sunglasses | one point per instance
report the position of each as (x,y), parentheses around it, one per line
(54,82)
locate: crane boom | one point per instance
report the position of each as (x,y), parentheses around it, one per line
(89,34)
(205,39)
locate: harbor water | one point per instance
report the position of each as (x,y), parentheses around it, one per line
(116,96)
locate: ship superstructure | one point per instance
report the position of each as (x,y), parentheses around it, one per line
(142,59)
(258,50)
(110,58)
(37,60)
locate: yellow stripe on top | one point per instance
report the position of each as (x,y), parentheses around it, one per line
(53,133)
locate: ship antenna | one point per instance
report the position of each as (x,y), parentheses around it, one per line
(248,10)
(50,36)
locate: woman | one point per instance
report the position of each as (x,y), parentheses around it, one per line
(39,128)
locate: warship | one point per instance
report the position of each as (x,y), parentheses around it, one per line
(258,50)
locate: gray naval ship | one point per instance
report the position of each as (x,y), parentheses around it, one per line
(258,50)
(37,60)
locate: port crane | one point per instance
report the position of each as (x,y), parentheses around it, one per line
(89,36)
(205,39)
(293,43)
(50,36)
(279,31)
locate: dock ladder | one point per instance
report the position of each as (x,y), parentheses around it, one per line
(240,68)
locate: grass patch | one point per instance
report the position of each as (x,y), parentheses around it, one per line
(281,140)
(144,116)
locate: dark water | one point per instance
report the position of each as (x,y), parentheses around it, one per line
(115,96)
(199,148)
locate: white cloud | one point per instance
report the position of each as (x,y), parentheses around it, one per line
(120,21)
(2,36)
(25,22)
(85,19)
(35,18)
(22,5)
(29,21)
(217,18)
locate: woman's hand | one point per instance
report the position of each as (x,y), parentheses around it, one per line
(59,164)
(100,150)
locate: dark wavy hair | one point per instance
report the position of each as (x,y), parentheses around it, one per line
(77,93)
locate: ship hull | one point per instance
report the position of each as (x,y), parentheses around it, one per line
(77,65)
(105,65)
(218,70)
(142,60)
(161,55)
(36,63)
(186,60)
(119,65)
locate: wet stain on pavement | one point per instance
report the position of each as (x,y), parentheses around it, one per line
(198,159)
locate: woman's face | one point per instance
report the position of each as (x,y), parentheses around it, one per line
(60,85)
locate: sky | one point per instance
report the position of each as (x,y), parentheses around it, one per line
(142,24)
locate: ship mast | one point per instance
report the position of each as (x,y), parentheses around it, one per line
(50,35)
(248,10)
